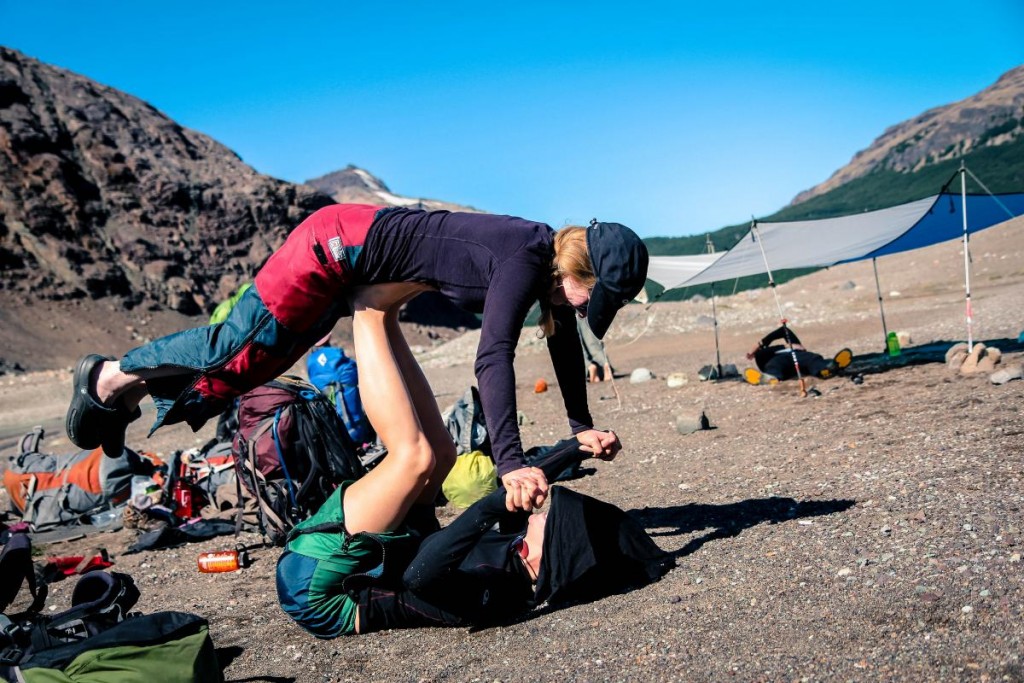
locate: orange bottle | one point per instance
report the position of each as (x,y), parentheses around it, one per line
(219,561)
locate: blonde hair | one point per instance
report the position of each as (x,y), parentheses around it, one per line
(573,259)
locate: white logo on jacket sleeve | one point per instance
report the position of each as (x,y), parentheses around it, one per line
(337,250)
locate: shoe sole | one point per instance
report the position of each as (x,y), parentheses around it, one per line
(758,378)
(82,403)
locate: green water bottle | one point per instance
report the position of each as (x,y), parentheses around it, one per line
(892,345)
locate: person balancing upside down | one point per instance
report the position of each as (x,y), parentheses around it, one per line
(776,363)
(367,261)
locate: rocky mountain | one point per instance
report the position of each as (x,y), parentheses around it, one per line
(101,196)
(990,118)
(357,186)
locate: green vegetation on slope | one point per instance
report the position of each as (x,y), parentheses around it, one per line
(1000,168)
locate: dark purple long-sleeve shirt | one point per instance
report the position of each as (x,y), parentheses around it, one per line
(494,265)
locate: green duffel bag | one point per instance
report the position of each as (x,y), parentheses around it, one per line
(169,647)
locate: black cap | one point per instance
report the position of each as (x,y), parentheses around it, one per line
(619,259)
(593,549)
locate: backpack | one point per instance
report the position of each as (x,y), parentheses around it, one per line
(291,451)
(98,640)
(52,490)
(465,422)
(336,376)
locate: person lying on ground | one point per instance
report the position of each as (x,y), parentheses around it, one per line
(356,567)
(367,261)
(776,362)
(594,355)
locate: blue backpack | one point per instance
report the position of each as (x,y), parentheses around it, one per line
(336,376)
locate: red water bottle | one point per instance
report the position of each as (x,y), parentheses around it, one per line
(183,498)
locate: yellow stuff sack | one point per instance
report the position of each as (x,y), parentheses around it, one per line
(472,478)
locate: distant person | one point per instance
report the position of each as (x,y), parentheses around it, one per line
(594,355)
(367,261)
(775,362)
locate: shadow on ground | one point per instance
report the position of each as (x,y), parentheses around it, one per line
(728,520)
(934,352)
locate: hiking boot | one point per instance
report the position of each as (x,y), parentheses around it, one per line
(756,377)
(840,361)
(89,423)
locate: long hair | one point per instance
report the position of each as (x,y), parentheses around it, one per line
(571,258)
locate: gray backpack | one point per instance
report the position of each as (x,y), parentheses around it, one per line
(52,490)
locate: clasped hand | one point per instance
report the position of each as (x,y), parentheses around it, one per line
(527,487)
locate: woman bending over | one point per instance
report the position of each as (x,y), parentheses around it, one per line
(367,261)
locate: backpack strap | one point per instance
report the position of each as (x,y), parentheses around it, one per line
(16,567)
(275,434)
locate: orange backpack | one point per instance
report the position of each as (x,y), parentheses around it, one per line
(50,490)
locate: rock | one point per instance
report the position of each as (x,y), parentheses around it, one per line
(893,294)
(688,424)
(986,365)
(845,571)
(995,354)
(970,365)
(102,183)
(956,361)
(1007,374)
(848,285)
(676,379)
(955,350)
(640,375)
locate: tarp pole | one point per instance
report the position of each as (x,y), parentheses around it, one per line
(967,261)
(714,313)
(881,309)
(755,235)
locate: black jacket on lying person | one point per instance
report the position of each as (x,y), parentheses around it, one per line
(468,573)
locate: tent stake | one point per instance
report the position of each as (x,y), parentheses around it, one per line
(967,260)
(881,309)
(756,236)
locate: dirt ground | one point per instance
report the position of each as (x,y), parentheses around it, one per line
(871,533)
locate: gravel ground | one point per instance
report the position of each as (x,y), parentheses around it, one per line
(871,533)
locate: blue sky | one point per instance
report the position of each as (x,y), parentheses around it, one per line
(674,118)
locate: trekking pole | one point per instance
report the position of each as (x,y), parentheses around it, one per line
(714,313)
(771,281)
(967,260)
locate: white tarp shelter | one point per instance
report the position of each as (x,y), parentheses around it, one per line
(831,241)
(769,246)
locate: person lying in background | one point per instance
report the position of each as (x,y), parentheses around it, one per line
(775,362)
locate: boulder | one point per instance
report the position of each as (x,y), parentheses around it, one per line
(690,423)
(956,349)
(1007,374)
(970,365)
(640,375)
(676,379)
(955,361)
(986,364)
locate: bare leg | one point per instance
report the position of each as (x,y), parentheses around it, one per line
(110,383)
(426,409)
(380,500)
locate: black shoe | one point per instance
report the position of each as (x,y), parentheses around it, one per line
(89,423)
